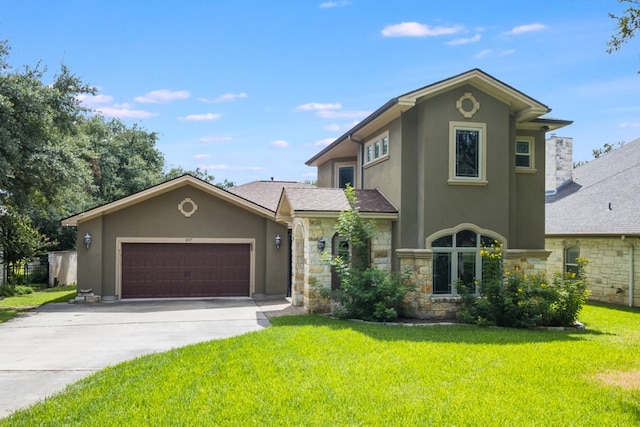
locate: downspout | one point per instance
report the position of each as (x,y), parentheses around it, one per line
(361,159)
(631,272)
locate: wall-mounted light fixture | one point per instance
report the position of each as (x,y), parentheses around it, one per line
(87,240)
(278,240)
(321,244)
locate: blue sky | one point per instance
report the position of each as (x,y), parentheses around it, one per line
(251,89)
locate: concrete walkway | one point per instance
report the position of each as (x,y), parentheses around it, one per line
(57,344)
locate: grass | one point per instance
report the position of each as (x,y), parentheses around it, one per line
(11,307)
(315,371)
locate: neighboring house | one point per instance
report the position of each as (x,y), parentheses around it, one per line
(593,211)
(462,160)
(440,171)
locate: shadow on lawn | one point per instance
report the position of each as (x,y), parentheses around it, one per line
(468,334)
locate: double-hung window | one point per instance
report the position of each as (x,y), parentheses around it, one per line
(571,255)
(525,160)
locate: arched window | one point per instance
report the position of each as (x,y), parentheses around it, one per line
(456,257)
(571,254)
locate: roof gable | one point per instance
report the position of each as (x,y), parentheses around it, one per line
(526,109)
(149,193)
(266,193)
(330,202)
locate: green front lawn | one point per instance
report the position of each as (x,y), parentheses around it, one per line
(315,371)
(10,307)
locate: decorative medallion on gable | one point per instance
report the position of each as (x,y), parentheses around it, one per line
(467,105)
(187,207)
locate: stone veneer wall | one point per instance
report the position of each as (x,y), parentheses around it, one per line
(608,268)
(312,271)
(419,262)
(421,303)
(558,161)
(527,261)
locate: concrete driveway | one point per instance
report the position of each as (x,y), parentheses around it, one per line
(48,348)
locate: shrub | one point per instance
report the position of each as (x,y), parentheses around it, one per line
(10,291)
(514,299)
(370,294)
(365,293)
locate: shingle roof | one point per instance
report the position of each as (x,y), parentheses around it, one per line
(335,200)
(266,193)
(603,198)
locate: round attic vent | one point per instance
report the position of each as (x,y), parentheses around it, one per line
(187,207)
(471,101)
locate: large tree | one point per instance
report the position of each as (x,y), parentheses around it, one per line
(122,159)
(37,128)
(39,159)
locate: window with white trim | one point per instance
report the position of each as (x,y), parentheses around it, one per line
(377,149)
(346,176)
(456,257)
(467,153)
(525,160)
(571,255)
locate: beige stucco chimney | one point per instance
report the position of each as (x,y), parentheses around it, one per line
(558,161)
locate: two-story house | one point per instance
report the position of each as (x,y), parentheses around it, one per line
(462,161)
(441,171)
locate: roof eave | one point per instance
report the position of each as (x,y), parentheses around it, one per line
(320,158)
(162,188)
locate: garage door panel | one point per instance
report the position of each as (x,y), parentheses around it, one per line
(159,270)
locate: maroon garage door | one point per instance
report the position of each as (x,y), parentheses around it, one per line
(164,270)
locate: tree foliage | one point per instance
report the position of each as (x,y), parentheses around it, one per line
(598,152)
(627,24)
(58,158)
(365,293)
(37,125)
(122,160)
(19,240)
(201,174)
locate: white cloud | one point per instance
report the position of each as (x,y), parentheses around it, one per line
(215,138)
(224,167)
(466,40)
(201,117)
(630,125)
(316,106)
(330,114)
(415,29)
(280,143)
(493,53)
(332,4)
(227,97)
(124,113)
(323,142)
(90,100)
(161,96)
(334,127)
(527,28)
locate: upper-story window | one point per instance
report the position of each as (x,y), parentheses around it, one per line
(346,176)
(525,160)
(467,153)
(377,149)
